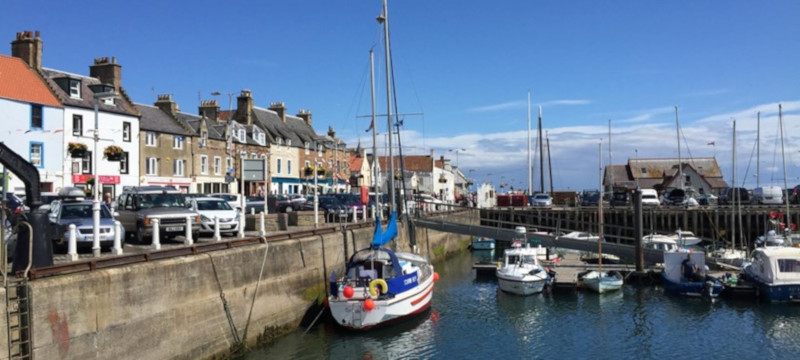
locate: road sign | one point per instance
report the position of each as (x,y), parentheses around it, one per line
(254,169)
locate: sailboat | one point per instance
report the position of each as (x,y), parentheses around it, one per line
(732,255)
(381,286)
(598,280)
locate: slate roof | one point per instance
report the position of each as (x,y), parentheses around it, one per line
(658,168)
(122,104)
(153,119)
(20,82)
(194,122)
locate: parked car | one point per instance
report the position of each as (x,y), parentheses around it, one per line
(75,210)
(767,195)
(351,201)
(728,195)
(542,200)
(211,208)
(434,203)
(139,205)
(650,198)
(707,199)
(590,198)
(331,206)
(235,200)
(620,197)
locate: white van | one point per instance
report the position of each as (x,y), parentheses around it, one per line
(767,195)
(650,198)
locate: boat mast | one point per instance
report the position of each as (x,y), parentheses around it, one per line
(549,162)
(758,150)
(384,18)
(530,170)
(541,154)
(680,166)
(733,188)
(788,229)
(375,162)
(600,210)
(610,172)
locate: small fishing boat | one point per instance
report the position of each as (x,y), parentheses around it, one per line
(659,242)
(676,283)
(776,272)
(482,243)
(685,238)
(601,281)
(381,286)
(520,272)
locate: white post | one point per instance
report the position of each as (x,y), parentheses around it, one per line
(117,249)
(364,213)
(96,227)
(217,236)
(263,230)
(72,245)
(355,215)
(188,235)
(241,224)
(156,245)
(252,211)
(374,215)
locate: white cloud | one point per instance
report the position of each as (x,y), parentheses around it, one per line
(522,104)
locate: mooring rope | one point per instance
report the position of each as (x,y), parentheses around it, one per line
(253,303)
(236,341)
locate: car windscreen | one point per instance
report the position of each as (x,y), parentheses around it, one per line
(213,205)
(81,211)
(147,201)
(225,197)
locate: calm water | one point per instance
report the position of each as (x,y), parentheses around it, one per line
(471,319)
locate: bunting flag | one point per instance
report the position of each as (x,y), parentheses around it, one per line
(57,131)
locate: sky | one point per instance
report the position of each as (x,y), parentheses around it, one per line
(463,70)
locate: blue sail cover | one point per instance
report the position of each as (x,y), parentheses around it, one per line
(383,237)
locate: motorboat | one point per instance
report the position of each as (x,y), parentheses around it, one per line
(381,286)
(776,273)
(685,238)
(676,283)
(601,281)
(659,242)
(482,243)
(771,238)
(580,235)
(521,272)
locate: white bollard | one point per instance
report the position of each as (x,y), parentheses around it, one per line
(188,235)
(72,244)
(374,215)
(117,249)
(241,225)
(252,211)
(156,245)
(355,215)
(364,213)
(217,236)
(263,230)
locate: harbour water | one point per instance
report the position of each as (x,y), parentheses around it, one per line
(471,319)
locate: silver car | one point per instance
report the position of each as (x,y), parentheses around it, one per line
(64,213)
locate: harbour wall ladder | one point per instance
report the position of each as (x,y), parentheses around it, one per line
(18,321)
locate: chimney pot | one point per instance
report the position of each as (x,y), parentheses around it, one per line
(28,48)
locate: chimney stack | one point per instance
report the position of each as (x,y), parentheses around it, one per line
(244,108)
(280,108)
(209,109)
(107,71)
(166,104)
(306,116)
(28,47)
(331,133)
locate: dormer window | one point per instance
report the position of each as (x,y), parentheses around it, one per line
(75,88)
(109,101)
(288,142)
(280,141)
(241,135)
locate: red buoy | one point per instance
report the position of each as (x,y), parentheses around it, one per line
(348,291)
(369,304)
(435,276)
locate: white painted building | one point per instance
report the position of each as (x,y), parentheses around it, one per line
(32,119)
(486,196)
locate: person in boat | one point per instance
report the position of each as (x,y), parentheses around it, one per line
(690,270)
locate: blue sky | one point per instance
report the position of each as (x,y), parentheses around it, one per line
(467,66)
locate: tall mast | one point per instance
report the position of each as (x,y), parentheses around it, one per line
(758,150)
(733,188)
(680,165)
(785,185)
(600,209)
(385,20)
(375,162)
(541,154)
(530,170)
(549,163)
(610,172)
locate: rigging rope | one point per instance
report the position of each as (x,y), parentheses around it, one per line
(237,342)
(255,293)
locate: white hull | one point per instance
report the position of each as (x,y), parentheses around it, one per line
(520,287)
(351,314)
(601,284)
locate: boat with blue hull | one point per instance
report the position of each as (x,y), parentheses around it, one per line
(482,243)
(776,273)
(675,282)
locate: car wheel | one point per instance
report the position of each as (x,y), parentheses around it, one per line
(195,235)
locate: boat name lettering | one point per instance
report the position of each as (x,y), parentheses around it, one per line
(410,280)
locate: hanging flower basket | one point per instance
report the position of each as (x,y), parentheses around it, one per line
(398,175)
(308,171)
(113,153)
(77,150)
(442,179)
(321,172)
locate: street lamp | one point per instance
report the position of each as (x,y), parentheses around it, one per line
(457,151)
(101,92)
(316,196)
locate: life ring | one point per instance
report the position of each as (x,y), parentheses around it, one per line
(382,283)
